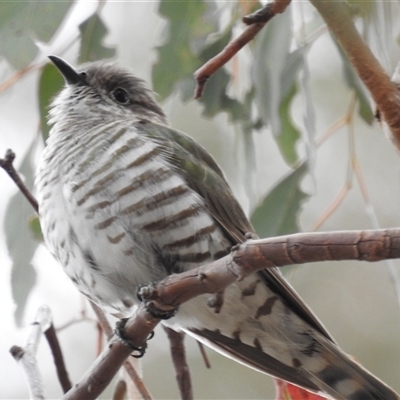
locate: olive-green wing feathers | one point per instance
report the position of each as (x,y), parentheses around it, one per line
(204,176)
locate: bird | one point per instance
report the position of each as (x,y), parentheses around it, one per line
(125,200)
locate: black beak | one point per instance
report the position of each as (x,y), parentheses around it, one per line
(69,73)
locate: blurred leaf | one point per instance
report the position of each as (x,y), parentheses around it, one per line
(50,83)
(278,212)
(353,82)
(275,70)
(308,113)
(93,32)
(271,56)
(188,28)
(20,243)
(290,134)
(36,229)
(24,22)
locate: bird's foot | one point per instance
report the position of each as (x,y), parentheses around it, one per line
(138,351)
(146,294)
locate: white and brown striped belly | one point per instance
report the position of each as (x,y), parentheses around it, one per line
(131,218)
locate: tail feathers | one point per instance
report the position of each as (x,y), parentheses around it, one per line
(326,369)
(344,379)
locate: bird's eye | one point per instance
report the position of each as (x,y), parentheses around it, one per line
(83,75)
(121,96)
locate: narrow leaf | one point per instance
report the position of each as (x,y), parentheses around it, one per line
(93,32)
(20,243)
(189,23)
(278,212)
(354,83)
(24,22)
(50,83)
(290,134)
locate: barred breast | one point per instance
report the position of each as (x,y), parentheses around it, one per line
(123,216)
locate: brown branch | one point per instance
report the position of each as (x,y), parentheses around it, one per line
(55,348)
(100,374)
(383,91)
(136,379)
(133,375)
(7,164)
(119,390)
(179,360)
(204,354)
(256,22)
(244,260)
(16,76)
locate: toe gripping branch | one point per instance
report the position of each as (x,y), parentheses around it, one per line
(138,351)
(146,294)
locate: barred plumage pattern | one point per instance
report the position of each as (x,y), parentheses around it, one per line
(124,201)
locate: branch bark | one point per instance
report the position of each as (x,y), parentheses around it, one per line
(383,91)
(26,356)
(244,260)
(58,358)
(179,360)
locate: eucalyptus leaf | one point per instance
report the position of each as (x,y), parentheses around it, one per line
(271,55)
(189,23)
(36,229)
(278,212)
(290,134)
(93,32)
(20,243)
(353,82)
(276,70)
(50,83)
(24,22)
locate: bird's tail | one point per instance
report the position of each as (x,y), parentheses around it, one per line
(343,378)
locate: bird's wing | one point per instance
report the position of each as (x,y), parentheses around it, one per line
(203,175)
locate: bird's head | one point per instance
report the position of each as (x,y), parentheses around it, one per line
(104,90)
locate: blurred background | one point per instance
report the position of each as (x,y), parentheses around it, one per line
(289,96)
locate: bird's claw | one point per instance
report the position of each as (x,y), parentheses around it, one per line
(119,331)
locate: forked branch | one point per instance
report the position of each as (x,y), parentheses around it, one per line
(244,260)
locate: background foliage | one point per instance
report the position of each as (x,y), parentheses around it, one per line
(287,119)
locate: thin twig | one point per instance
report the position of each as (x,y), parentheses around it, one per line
(256,22)
(136,378)
(204,354)
(16,76)
(7,164)
(119,390)
(55,347)
(131,371)
(178,354)
(26,356)
(348,120)
(103,321)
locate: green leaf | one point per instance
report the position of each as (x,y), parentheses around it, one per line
(275,70)
(189,23)
(36,229)
(50,83)
(24,22)
(278,212)
(271,56)
(290,134)
(93,32)
(20,243)
(353,82)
